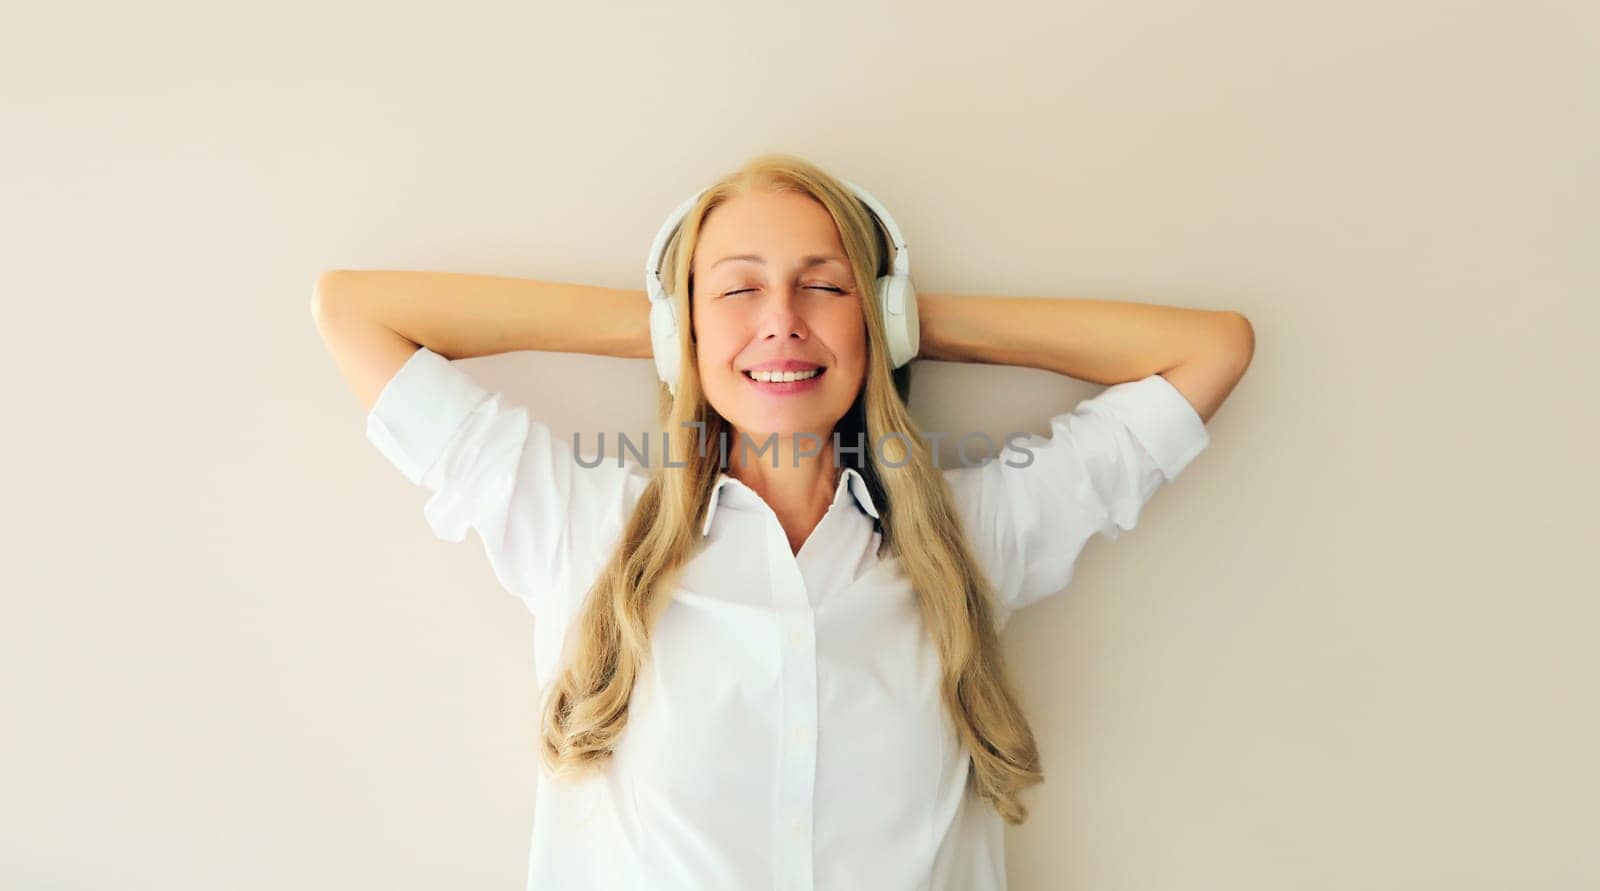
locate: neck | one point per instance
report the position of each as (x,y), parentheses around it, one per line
(798,487)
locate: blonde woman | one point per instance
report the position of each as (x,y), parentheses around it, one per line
(777,666)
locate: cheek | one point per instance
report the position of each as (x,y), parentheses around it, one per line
(708,335)
(715,350)
(849,336)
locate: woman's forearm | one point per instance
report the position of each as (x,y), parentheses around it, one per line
(462,315)
(1103,341)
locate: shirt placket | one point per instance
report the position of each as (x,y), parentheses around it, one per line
(797,751)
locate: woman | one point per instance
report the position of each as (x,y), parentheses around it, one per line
(776,669)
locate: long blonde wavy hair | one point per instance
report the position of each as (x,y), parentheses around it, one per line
(587,704)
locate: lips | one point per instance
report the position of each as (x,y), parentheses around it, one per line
(783,365)
(787,388)
(750,373)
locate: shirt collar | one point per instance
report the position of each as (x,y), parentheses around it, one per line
(850,480)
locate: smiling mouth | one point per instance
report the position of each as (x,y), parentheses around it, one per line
(779,377)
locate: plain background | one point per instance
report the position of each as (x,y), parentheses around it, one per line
(1352,647)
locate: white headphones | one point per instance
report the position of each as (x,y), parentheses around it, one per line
(896,298)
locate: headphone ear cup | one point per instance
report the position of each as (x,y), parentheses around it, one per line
(664,342)
(899,309)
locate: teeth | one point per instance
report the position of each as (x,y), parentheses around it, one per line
(783,376)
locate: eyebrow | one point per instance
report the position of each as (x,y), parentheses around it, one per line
(806,262)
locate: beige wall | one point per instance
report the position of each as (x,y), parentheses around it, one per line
(1352,648)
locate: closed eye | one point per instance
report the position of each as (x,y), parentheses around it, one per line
(815,287)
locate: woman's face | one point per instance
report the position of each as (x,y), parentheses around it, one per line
(772,288)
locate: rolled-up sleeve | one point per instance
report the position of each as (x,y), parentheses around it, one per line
(493,468)
(1101,464)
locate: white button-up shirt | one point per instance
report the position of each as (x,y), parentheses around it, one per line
(789,733)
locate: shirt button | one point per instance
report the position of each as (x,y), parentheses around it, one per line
(797,636)
(797,828)
(799,734)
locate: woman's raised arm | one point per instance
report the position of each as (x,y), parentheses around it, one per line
(1203,353)
(373,320)
(1168,370)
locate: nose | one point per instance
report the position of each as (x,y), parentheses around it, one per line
(782,317)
